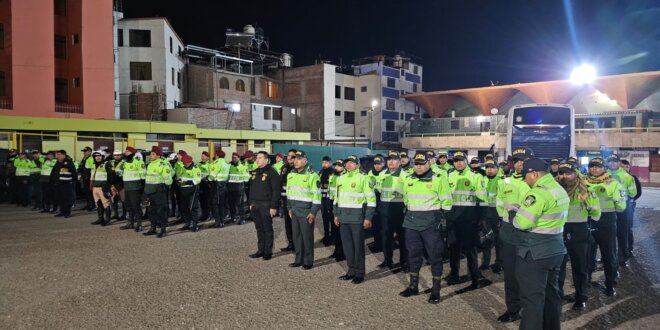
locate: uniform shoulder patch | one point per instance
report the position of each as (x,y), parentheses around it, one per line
(530,200)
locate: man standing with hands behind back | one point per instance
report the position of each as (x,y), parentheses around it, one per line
(264,201)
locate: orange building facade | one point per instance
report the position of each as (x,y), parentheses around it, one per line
(56,58)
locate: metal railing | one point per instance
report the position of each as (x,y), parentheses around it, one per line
(5,104)
(68,108)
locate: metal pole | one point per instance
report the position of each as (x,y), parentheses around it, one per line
(371,128)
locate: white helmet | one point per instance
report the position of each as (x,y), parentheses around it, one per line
(117,152)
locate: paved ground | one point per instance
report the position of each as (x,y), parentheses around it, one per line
(65,273)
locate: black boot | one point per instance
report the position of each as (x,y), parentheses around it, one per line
(123,212)
(195,227)
(413,287)
(151,231)
(129,225)
(106,216)
(138,221)
(434,298)
(99,220)
(163,232)
(114,207)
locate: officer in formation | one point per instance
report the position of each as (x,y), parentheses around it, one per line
(490,216)
(355,204)
(236,188)
(188,180)
(378,165)
(631,205)
(100,187)
(85,172)
(390,206)
(133,172)
(628,191)
(48,196)
(265,185)
(338,253)
(205,186)
(218,180)
(63,178)
(325,175)
(286,169)
(156,185)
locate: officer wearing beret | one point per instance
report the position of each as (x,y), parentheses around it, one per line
(541,250)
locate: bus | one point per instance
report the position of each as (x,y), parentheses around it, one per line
(547,129)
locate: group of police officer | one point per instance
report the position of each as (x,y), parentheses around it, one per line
(541,215)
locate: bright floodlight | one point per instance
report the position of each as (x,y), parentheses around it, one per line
(236,107)
(374,103)
(583,74)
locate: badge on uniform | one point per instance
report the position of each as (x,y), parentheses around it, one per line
(451,185)
(410,184)
(429,185)
(353,185)
(305,179)
(602,189)
(530,200)
(198,174)
(467,183)
(167,170)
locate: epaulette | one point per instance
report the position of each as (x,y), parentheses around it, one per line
(451,170)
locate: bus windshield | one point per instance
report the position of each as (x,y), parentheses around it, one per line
(542,116)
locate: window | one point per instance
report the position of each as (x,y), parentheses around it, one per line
(337,91)
(363,89)
(337,113)
(628,122)
(485,126)
(389,125)
(173,76)
(171,46)
(179,53)
(417,109)
(414,88)
(140,70)
(277,114)
(267,113)
(75,39)
(60,47)
(455,124)
(224,83)
(349,117)
(363,113)
(259,144)
(120,37)
(270,89)
(416,69)
(390,104)
(168,137)
(76,82)
(61,90)
(2,36)
(272,113)
(3,84)
(60,7)
(253,87)
(240,85)
(139,38)
(178,79)
(391,82)
(349,93)
(401,117)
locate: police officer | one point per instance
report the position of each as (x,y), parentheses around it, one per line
(379,164)
(631,205)
(433,160)
(173,193)
(554,167)
(541,250)
(405,162)
(355,204)
(604,230)
(584,205)
(158,180)
(326,202)
(236,189)
(463,220)
(22,189)
(85,172)
(279,162)
(303,202)
(490,216)
(63,178)
(218,177)
(46,187)
(286,169)
(133,173)
(188,183)
(510,193)
(117,185)
(204,186)
(338,253)
(475,166)
(100,188)
(390,184)
(629,191)
(264,201)
(442,162)
(35,186)
(427,196)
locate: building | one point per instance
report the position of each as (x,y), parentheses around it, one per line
(151,66)
(56,58)
(360,106)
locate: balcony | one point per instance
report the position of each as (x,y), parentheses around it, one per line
(68,108)
(5,104)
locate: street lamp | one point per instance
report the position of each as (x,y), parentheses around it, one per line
(374,103)
(583,74)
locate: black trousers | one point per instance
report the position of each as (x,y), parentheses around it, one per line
(263,223)
(391,215)
(217,200)
(576,238)
(173,200)
(466,231)
(235,197)
(494,224)
(429,240)
(64,197)
(47,195)
(189,197)
(288,228)
(336,237)
(509,259)
(630,209)
(204,201)
(22,190)
(539,292)
(326,214)
(87,192)
(303,238)
(37,192)
(622,230)
(353,243)
(132,205)
(158,209)
(604,235)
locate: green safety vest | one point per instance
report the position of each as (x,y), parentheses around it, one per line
(47,167)
(354,190)
(237,173)
(303,190)
(467,187)
(626,180)
(159,172)
(36,170)
(511,192)
(205,168)
(445,167)
(23,166)
(99,175)
(132,173)
(89,163)
(190,177)
(491,185)
(544,209)
(219,170)
(580,211)
(249,167)
(332,184)
(610,195)
(278,166)
(424,197)
(390,185)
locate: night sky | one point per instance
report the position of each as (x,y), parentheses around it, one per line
(460,43)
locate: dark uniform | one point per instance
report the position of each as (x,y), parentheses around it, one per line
(390,184)
(265,195)
(326,201)
(286,169)
(63,178)
(85,174)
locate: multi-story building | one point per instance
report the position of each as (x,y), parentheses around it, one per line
(151,68)
(56,58)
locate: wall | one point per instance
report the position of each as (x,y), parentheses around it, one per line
(97,63)
(305,90)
